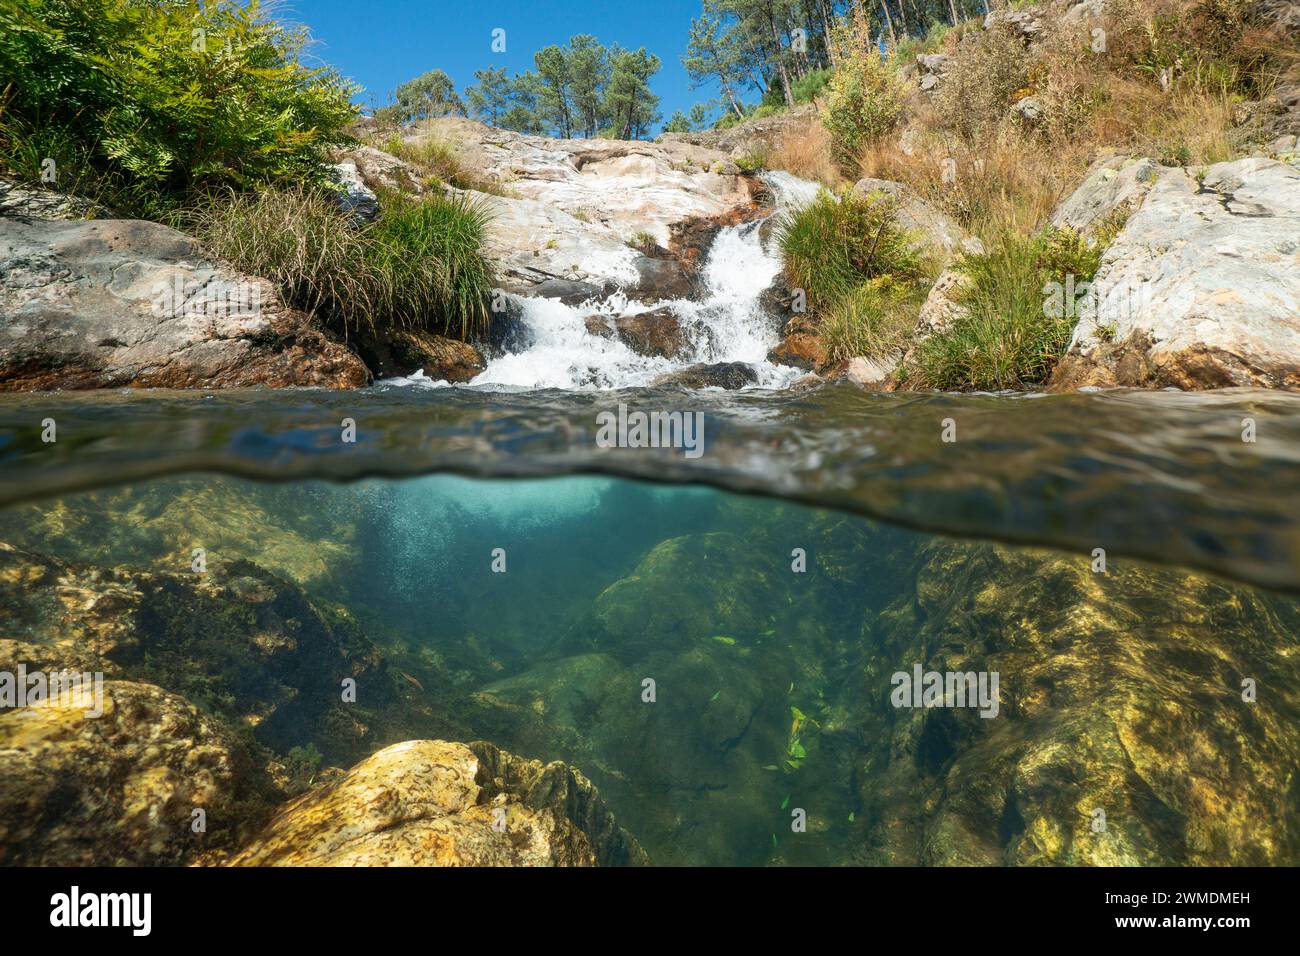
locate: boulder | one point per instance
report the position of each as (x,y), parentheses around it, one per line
(1114,185)
(24,200)
(1201,289)
(121,788)
(728,375)
(568,209)
(120,302)
(355,197)
(658,332)
(403,352)
(434,803)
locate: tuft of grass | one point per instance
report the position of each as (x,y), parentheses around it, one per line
(1009,336)
(419,266)
(873,319)
(753,161)
(831,246)
(437,162)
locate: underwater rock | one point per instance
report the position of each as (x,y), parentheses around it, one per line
(1122,736)
(121,302)
(434,803)
(237,640)
(121,789)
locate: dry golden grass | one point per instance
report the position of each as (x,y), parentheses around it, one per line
(805,151)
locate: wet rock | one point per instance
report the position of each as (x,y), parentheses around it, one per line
(728,375)
(567,291)
(434,803)
(599,324)
(112,303)
(406,351)
(870,373)
(120,789)
(1200,289)
(800,346)
(657,332)
(660,278)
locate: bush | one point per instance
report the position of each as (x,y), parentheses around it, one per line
(987,74)
(831,246)
(150,100)
(864,102)
(1008,336)
(419,266)
(809,86)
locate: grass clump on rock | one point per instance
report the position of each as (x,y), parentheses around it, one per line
(419,266)
(1011,330)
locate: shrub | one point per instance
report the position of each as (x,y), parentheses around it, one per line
(804,151)
(831,246)
(864,102)
(809,86)
(1007,337)
(161,98)
(419,266)
(987,73)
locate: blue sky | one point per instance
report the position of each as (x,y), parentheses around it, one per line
(385,42)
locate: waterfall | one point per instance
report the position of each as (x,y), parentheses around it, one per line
(728,324)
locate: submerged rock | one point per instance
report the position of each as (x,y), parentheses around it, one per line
(434,803)
(121,789)
(113,302)
(237,640)
(1123,735)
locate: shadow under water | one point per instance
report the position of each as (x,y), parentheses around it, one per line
(745,679)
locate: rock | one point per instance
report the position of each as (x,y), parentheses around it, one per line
(934,230)
(941,307)
(567,291)
(114,302)
(403,352)
(434,803)
(870,373)
(569,208)
(1114,185)
(1083,12)
(1025,23)
(800,345)
(1119,692)
(932,63)
(120,789)
(379,171)
(356,197)
(245,645)
(658,332)
(1029,110)
(1201,288)
(23,200)
(929,83)
(729,375)
(752,137)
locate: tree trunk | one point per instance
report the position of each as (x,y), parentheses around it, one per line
(780,60)
(889,21)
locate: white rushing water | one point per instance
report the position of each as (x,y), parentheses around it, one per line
(728,324)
